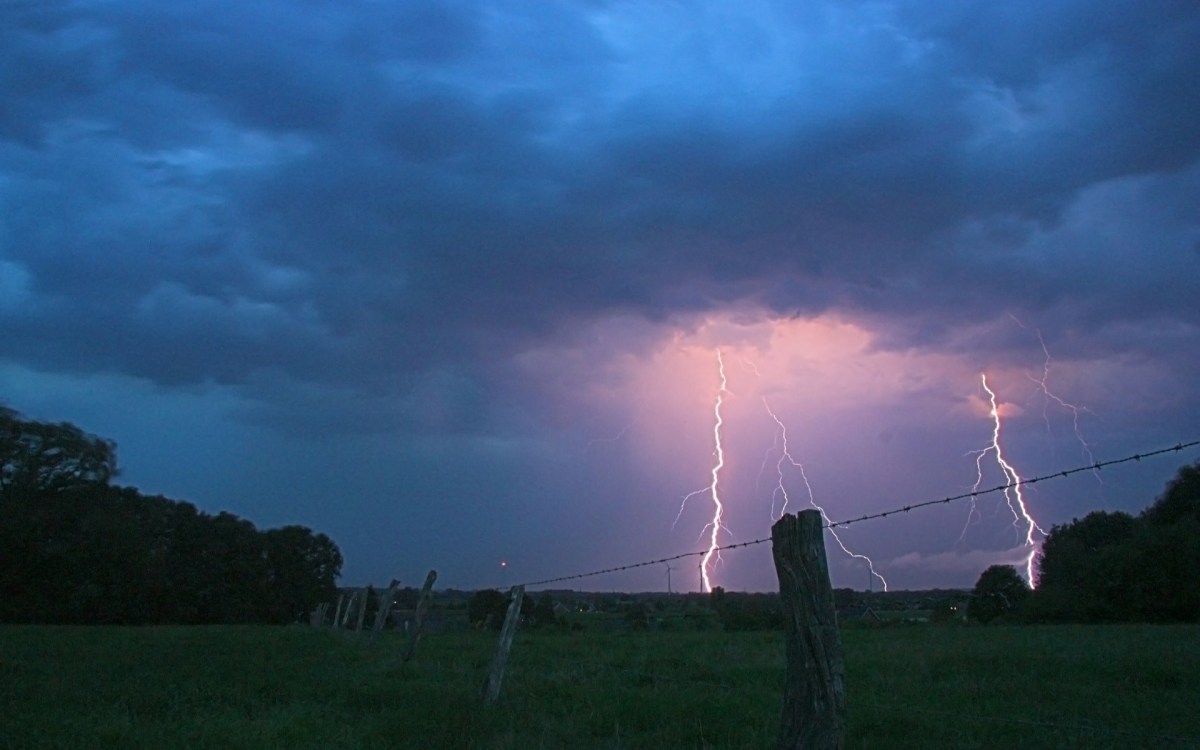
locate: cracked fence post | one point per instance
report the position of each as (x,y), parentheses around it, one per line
(337,613)
(385,608)
(419,616)
(491,685)
(814,698)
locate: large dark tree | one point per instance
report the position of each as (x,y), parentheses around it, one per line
(1085,569)
(75,549)
(1114,567)
(302,571)
(39,457)
(1168,566)
(1000,592)
(1180,500)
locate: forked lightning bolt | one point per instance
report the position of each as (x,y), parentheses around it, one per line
(1049,396)
(1014,494)
(613,439)
(714,526)
(781,491)
(1075,410)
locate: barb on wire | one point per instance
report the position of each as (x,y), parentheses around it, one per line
(1009,485)
(904,509)
(631,566)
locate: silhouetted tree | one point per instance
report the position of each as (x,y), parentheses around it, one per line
(1180,500)
(999,592)
(75,549)
(1166,567)
(1084,569)
(1114,567)
(41,457)
(301,572)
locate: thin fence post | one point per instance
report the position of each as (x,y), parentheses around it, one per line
(337,613)
(491,686)
(349,608)
(419,615)
(362,610)
(814,699)
(317,618)
(385,607)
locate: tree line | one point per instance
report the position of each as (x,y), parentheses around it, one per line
(1109,566)
(74,548)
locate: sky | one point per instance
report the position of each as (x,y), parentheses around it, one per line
(456,283)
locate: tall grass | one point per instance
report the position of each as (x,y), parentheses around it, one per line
(918,687)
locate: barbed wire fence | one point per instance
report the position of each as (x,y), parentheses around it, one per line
(1095,466)
(1076,728)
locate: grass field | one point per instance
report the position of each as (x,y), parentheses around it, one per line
(907,687)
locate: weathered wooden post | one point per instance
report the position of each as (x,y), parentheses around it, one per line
(491,685)
(814,698)
(317,618)
(419,616)
(337,613)
(385,608)
(349,608)
(362,610)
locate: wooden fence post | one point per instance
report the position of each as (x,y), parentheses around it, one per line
(385,607)
(419,616)
(349,608)
(814,698)
(337,613)
(362,610)
(491,685)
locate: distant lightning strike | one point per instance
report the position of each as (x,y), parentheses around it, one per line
(1051,396)
(714,527)
(1075,410)
(781,490)
(614,439)
(718,508)
(1014,494)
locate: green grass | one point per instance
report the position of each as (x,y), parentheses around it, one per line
(907,687)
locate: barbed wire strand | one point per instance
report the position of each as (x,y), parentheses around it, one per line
(1010,485)
(1096,466)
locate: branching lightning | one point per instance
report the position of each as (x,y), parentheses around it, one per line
(714,527)
(1013,495)
(613,439)
(718,509)
(781,491)
(1048,396)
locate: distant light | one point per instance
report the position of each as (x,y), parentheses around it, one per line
(504,563)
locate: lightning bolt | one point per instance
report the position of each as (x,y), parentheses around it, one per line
(1048,396)
(1085,449)
(713,527)
(1013,495)
(718,508)
(780,490)
(614,439)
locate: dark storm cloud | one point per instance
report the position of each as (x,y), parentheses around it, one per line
(367,196)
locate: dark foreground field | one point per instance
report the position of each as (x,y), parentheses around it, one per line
(918,687)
